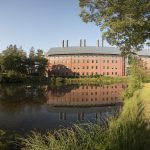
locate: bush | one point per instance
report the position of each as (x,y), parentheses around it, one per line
(129,132)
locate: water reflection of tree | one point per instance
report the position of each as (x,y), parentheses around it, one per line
(61,71)
(14,98)
(62,90)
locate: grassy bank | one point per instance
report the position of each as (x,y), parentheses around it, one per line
(59,80)
(145,98)
(131,131)
(95,81)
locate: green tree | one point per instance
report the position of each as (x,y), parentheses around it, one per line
(31,61)
(13,60)
(1,63)
(125,23)
(41,63)
(138,74)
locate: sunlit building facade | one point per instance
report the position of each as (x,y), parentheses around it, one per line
(88,61)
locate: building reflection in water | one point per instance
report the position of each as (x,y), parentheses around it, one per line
(86,96)
(23,109)
(79,97)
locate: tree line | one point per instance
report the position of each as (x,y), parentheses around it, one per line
(14,61)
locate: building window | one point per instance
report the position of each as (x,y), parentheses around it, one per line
(83,73)
(103,73)
(116,61)
(107,61)
(115,73)
(107,73)
(92,61)
(87,73)
(103,61)
(92,67)
(83,61)
(74,61)
(78,61)
(107,67)
(83,67)
(96,73)
(112,73)
(112,61)
(87,67)
(103,67)
(87,61)
(96,61)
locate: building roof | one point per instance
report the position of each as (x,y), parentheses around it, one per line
(144,53)
(83,50)
(89,50)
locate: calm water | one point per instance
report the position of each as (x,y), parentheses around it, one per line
(24,108)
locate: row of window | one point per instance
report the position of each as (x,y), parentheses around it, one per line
(77,56)
(85,61)
(92,67)
(104,73)
(91,87)
(87,73)
(78,61)
(95,93)
(88,99)
(107,73)
(104,67)
(83,67)
(108,61)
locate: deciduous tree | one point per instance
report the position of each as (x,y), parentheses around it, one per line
(125,23)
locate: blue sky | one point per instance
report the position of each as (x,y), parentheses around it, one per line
(43,24)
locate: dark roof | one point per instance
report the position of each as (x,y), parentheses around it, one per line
(83,50)
(89,50)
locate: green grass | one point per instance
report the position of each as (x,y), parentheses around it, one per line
(129,132)
(95,81)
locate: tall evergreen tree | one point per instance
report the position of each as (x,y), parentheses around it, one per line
(31,61)
(41,63)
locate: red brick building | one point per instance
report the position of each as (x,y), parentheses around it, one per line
(88,61)
(85,61)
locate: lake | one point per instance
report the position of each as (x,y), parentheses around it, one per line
(41,107)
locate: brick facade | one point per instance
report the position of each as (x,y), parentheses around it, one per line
(86,65)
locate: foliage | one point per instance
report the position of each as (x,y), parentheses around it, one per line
(13,59)
(129,132)
(137,73)
(15,63)
(95,80)
(9,140)
(126,23)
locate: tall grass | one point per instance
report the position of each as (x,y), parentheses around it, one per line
(129,132)
(95,81)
